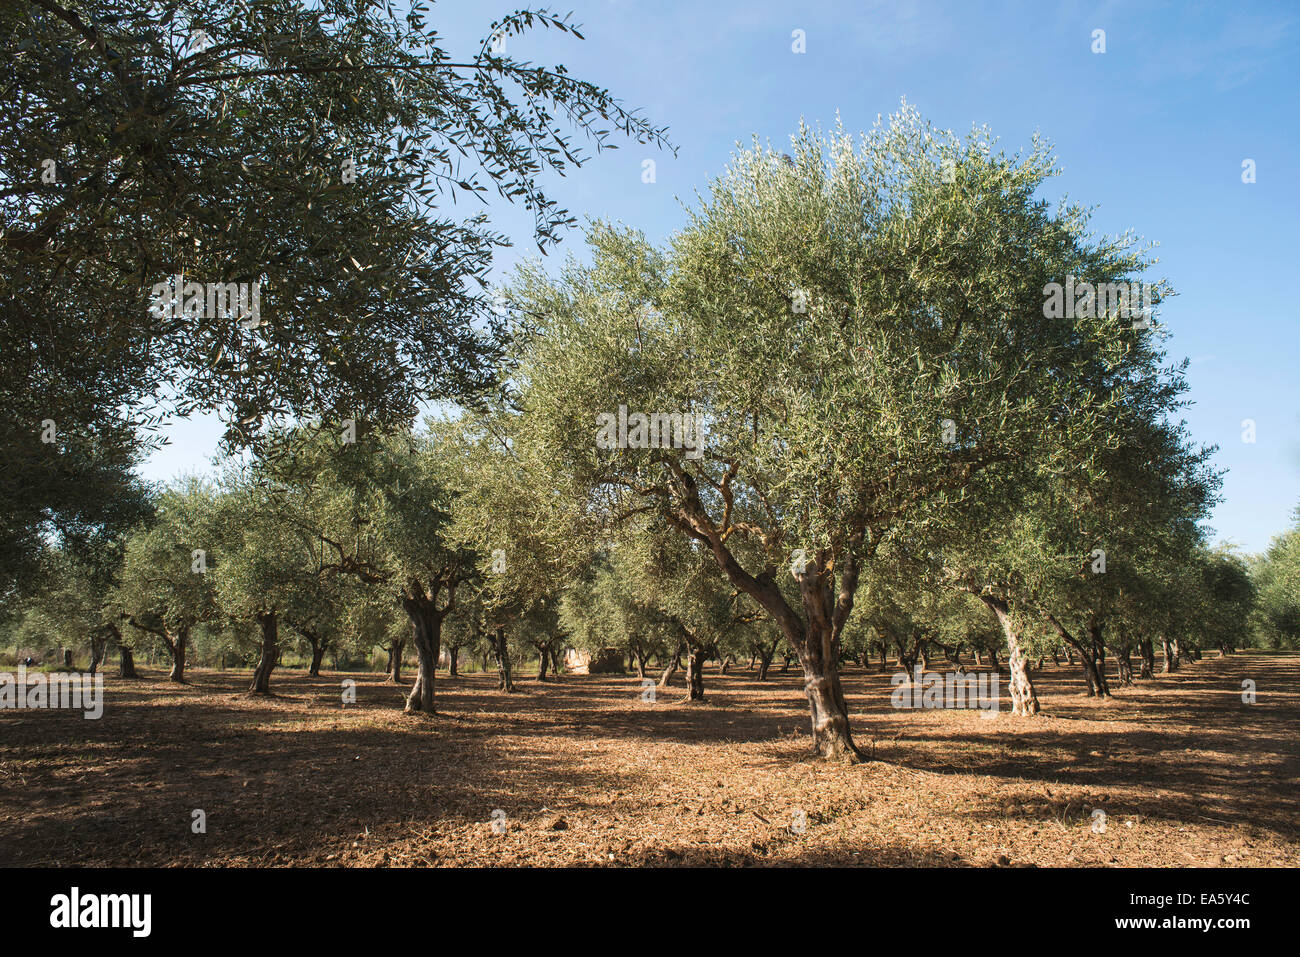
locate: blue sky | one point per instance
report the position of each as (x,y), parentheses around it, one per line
(1153,132)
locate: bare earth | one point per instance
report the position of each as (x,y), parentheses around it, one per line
(586,773)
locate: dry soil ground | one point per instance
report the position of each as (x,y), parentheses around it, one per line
(583,772)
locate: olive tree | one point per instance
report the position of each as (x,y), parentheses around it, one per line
(166,589)
(857,334)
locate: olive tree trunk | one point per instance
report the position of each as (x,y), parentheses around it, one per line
(1024,700)
(270,625)
(674,663)
(126,669)
(501,652)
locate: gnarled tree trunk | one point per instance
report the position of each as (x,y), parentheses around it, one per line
(395,649)
(98,646)
(694,672)
(765,656)
(501,652)
(674,663)
(127,667)
(270,625)
(1148,655)
(1125,665)
(178,646)
(426,635)
(1024,700)
(317,651)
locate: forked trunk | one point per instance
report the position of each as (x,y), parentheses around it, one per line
(541,663)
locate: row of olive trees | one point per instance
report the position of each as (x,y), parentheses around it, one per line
(894,441)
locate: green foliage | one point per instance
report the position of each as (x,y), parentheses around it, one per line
(315,148)
(1276,576)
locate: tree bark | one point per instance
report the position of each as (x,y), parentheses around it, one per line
(317,653)
(501,651)
(127,667)
(1024,700)
(453,653)
(426,635)
(395,649)
(695,673)
(177,647)
(1093,675)
(765,656)
(98,645)
(542,655)
(270,624)
(1171,658)
(1125,665)
(1148,655)
(674,663)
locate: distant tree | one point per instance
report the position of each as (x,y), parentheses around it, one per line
(165,590)
(1276,575)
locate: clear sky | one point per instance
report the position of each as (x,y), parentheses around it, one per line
(1153,132)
